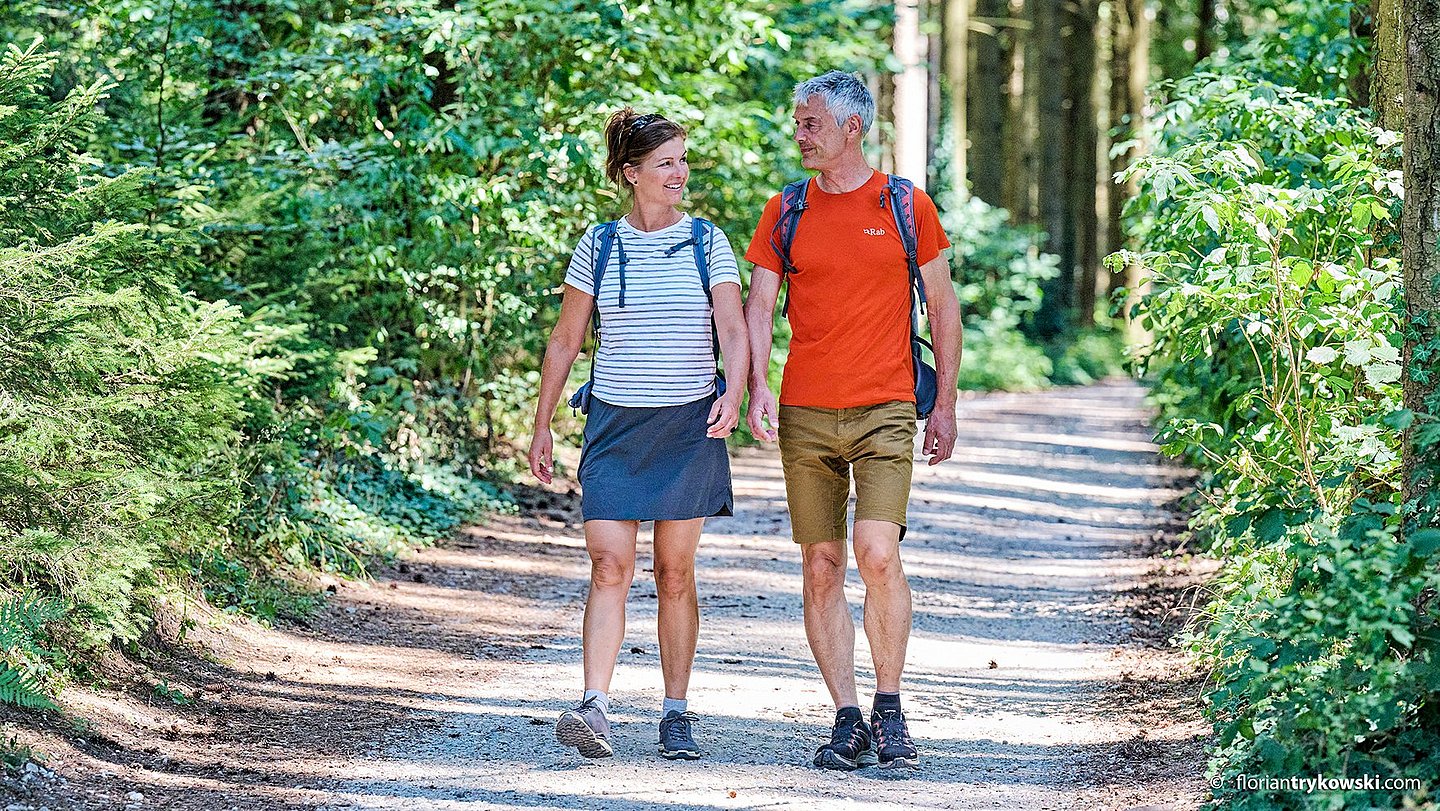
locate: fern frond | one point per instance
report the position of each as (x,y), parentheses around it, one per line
(19,689)
(21,621)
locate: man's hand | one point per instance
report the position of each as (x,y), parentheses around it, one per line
(762,407)
(940,434)
(542,447)
(725,414)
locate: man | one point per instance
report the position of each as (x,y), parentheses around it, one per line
(847,401)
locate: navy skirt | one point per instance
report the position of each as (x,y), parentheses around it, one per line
(653,464)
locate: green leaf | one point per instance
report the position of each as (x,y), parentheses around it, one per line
(1424,543)
(1360,215)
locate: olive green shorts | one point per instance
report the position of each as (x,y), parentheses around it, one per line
(818,449)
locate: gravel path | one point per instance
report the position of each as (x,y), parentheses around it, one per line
(1016,554)
(1038,675)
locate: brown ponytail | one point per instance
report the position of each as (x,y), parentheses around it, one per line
(629,138)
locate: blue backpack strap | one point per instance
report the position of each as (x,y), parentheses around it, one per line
(700,235)
(605,235)
(782,236)
(699,238)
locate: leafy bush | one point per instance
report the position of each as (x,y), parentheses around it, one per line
(998,357)
(1275,306)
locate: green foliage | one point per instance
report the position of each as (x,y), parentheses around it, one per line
(22,627)
(998,270)
(998,357)
(1274,307)
(1268,217)
(1329,666)
(117,419)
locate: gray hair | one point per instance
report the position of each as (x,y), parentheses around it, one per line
(843,93)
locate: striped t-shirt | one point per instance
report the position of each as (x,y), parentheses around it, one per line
(657,350)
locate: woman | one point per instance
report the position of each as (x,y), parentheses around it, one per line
(654,436)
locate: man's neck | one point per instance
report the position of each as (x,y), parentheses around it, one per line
(848,176)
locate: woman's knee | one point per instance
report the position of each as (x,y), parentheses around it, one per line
(609,570)
(674,582)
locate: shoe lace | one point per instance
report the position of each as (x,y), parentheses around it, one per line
(890,728)
(678,726)
(846,731)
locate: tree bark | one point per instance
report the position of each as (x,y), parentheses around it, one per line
(935,89)
(1420,228)
(1204,29)
(1387,88)
(911,93)
(1361,28)
(1021,116)
(1129,76)
(1083,156)
(1052,148)
(987,103)
(957,69)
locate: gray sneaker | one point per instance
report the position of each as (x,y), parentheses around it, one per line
(586,728)
(676,740)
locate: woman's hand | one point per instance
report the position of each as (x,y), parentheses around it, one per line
(542,449)
(725,414)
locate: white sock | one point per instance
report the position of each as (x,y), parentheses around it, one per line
(676,704)
(601,700)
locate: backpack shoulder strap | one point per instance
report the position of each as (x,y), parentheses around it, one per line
(605,237)
(700,229)
(782,235)
(902,206)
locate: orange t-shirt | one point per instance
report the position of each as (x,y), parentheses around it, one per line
(849,295)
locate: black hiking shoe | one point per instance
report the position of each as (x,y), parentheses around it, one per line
(893,747)
(676,740)
(850,744)
(586,728)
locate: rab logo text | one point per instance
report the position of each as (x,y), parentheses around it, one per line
(875,232)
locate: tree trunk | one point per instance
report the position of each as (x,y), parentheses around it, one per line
(1361,28)
(1129,76)
(235,48)
(884,92)
(1204,28)
(911,93)
(987,103)
(1080,173)
(1420,227)
(1021,115)
(957,69)
(935,90)
(1387,88)
(1052,147)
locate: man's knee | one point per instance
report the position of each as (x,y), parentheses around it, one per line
(824,567)
(878,561)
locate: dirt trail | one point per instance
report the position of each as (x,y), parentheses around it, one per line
(1036,679)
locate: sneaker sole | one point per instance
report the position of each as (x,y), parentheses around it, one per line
(678,754)
(900,763)
(829,759)
(572,730)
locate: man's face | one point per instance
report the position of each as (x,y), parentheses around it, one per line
(822,142)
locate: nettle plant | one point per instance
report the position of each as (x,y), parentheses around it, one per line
(1274,301)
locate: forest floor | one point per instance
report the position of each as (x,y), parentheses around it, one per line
(1040,674)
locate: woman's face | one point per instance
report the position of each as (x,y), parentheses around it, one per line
(660,177)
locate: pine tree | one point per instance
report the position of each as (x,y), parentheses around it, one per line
(117,412)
